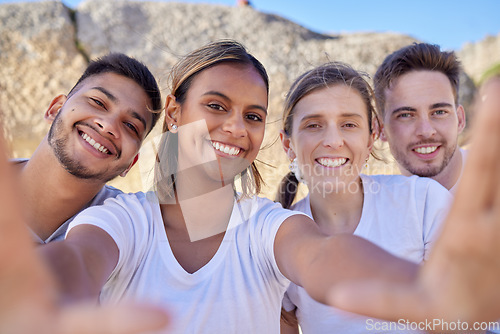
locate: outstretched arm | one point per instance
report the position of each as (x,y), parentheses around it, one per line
(318,262)
(461,279)
(29,302)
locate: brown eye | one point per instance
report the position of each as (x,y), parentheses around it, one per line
(254,117)
(99,103)
(216,106)
(132,127)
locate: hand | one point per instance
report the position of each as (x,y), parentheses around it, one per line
(29,303)
(461,279)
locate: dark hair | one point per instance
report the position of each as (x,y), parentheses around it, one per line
(326,75)
(181,78)
(415,57)
(128,67)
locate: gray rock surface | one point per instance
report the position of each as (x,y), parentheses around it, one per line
(44,48)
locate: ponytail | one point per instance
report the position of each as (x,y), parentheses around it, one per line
(287,190)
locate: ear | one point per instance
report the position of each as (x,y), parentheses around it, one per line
(382,137)
(287,145)
(172,111)
(125,172)
(54,108)
(371,140)
(461,118)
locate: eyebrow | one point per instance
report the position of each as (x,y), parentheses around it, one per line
(113,98)
(312,116)
(405,108)
(432,106)
(441,105)
(224,96)
(106,92)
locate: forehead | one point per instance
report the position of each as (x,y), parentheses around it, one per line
(335,100)
(232,79)
(420,86)
(121,91)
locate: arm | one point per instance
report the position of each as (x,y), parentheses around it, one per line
(318,262)
(82,262)
(28,303)
(460,281)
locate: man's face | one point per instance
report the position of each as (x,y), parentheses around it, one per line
(422,122)
(99,129)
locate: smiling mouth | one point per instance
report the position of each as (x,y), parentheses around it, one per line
(226,149)
(426,150)
(329,162)
(99,147)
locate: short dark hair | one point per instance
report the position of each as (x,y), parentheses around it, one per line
(128,67)
(415,57)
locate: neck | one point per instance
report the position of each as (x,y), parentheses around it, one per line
(51,194)
(338,212)
(199,217)
(451,173)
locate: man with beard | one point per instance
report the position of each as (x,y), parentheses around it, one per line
(95,135)
(416,92)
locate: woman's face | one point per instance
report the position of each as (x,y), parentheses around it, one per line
(222,120)
(330,138)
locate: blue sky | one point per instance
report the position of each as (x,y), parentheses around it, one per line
(449,23)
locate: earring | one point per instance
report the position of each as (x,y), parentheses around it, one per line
(294,168)
(366,163)
(173,128)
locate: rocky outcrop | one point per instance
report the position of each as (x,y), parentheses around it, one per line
(44,47)
(39,60)
(479,57)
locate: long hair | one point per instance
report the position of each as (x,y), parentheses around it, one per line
(181,79)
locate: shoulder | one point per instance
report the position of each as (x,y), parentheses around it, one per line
(263,209)
(400,186)
(396,181)
(304,205)
(130,204)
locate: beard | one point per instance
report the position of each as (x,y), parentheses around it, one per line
(58,141)
(429,170)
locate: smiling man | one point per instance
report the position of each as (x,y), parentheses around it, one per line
(95,135)
(416,92)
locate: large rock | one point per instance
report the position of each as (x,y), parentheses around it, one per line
(43,51)
(39,60)
(478,57)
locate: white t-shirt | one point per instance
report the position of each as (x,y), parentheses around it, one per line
(238,291)
(400,214)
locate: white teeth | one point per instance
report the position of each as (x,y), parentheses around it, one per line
(95,144)
(426,150)
(332,162)
(231,150)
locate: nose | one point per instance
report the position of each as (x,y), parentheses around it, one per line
(235,125)
(425,128)
(333,138)
(108,125)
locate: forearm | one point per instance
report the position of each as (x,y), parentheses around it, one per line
(347,258)
(69,268)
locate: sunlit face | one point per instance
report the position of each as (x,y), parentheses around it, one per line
(330,138)
(422,122)
(98,131)
(222,121)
